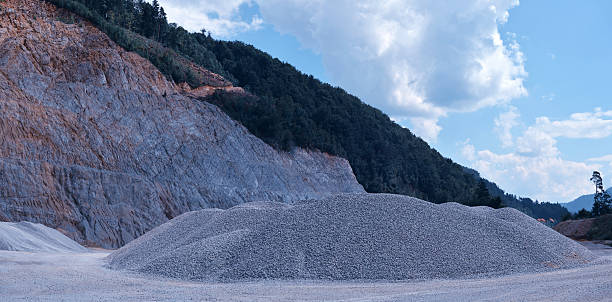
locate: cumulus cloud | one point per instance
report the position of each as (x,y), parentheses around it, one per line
(541,138)
(219,17)
(535,166)
(544,177)
(504,124)
(597,124)
(416,60)
(468,151)
(605,159)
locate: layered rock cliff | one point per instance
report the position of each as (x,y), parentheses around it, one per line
(97,143)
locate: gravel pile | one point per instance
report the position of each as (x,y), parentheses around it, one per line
(34,237)
(355,236)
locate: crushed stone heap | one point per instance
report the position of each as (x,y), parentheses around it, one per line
(33,237)
(349,237)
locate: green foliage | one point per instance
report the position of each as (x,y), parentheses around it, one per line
(385,157)
(171,64)
(582,214)
(484,198)
(67,19)
(567,216)
(601,229)
(288,109)
(602,203)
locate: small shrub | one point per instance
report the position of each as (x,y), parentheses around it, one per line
(65,19)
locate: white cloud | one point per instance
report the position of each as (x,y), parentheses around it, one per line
(219,17)
(543,177)
(541,138)
(594,125)
(535,166)
(549,97)
(416,60)
(604,159)
(468,151)
(426,127)
(504,124)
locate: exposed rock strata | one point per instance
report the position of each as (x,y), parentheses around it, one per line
(97,143)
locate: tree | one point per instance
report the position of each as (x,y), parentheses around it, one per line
(482,197)
(602,200)
(482,194)
(162,25)
(496,202)
(582,214)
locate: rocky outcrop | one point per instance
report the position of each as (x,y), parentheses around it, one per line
(98,144)
(33,237)
(206,90)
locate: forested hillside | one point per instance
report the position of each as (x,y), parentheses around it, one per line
(287,108)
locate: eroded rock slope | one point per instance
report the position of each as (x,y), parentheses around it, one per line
(97,143)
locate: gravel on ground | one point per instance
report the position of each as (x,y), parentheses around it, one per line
(349,237)
(82,277)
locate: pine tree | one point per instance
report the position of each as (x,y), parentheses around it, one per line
(162,25)
(496,202)
(602,200)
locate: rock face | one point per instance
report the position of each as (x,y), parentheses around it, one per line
(98,144)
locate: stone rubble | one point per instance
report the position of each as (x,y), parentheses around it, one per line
(349,237)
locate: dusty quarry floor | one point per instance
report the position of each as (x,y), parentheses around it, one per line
(82,277)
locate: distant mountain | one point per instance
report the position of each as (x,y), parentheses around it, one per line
(582,202)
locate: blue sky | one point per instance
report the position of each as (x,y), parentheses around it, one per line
(517,91)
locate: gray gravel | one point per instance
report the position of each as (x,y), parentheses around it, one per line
(67,277)
(349,237)
(34,237)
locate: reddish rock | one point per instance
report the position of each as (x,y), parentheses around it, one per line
(206,90)
(575,229)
